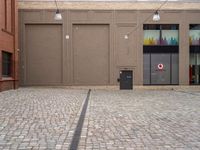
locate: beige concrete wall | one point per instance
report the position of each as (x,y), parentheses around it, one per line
(110,5)
(123,53)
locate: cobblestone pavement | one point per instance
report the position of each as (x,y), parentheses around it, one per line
(34,118)
(143,120)
(45,118)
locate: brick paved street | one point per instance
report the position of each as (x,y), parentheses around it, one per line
(38,118)
(45,118)
(143,120)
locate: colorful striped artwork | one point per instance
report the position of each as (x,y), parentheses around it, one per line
(151,41)
(151,37)
(169,37)
(169,41)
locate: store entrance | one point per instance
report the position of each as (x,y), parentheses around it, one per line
(161,54)
(160,68)
(194,68)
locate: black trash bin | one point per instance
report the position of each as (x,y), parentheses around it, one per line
(126,80)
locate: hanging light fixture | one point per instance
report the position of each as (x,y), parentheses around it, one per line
(58,15)
(156,16)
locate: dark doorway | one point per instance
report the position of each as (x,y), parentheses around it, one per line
(126,80)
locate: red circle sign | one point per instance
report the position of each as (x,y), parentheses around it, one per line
(160,66)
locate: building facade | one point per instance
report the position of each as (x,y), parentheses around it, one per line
(96,41)
(8,45)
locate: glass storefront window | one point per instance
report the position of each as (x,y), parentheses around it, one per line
(160,68)
(194,38)
(198,69)
(192,59)
(194,68)
(160,76)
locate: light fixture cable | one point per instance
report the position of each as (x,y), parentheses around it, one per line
(56,4)
(58,15)
(157,10)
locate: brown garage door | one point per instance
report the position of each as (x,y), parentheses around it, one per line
(91,47)
(43,61)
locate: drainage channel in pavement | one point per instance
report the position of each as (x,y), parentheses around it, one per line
(77,133)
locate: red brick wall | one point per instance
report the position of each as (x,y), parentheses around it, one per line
(8,40)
